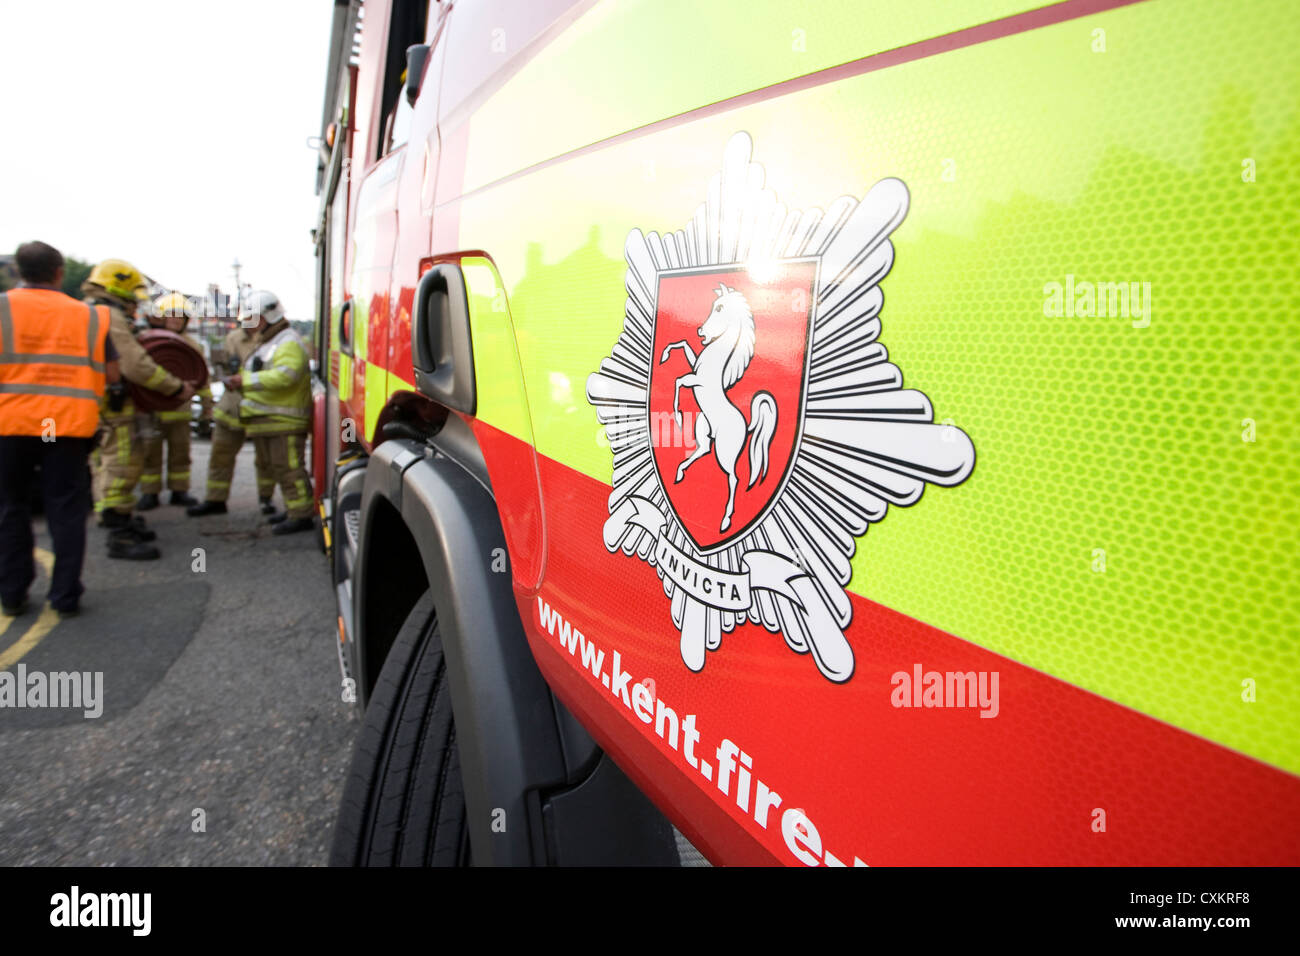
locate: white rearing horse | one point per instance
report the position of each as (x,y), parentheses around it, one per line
(728,337)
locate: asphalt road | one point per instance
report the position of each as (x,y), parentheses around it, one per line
(220,693)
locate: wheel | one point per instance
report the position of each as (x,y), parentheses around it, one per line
(403,801)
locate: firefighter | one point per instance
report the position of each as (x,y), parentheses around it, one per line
(171,428)
(55,358)
(228,436)
(115,283)
(276,406)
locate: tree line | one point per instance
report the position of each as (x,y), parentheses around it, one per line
(75,272)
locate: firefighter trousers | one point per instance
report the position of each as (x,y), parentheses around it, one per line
(287,460)
(176,436)
(121,459)
(226,443)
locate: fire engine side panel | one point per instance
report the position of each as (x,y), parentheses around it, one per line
(372,228)
(414,214)
(342,256)
(1121,555)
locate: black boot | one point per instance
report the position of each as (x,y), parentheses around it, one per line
(182,498)
(277,518)
(125,545)
(147,502)
(207,508)
(117,521)
(267,507)
(293,526)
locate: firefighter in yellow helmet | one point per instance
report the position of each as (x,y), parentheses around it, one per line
(276,407)
(228,435)
(171,428)
(119,285)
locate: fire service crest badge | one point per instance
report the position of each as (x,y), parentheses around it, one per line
(757,425)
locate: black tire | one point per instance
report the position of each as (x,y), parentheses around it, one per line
(404,801)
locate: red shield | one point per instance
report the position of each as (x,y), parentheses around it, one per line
(732,410)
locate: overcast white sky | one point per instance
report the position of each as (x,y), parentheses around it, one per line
(171,134)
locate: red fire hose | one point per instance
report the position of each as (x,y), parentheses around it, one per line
(177,356)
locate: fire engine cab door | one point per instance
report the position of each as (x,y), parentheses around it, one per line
(375,235)
(415,192)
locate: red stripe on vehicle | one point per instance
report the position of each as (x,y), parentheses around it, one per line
(887,784)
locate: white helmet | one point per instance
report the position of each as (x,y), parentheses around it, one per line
(260,304)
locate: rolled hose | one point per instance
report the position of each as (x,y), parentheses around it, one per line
(177,356)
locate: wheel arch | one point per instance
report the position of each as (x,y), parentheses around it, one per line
(537,787)
(420,505)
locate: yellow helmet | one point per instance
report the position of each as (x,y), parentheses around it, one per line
(171,305)
(117,277)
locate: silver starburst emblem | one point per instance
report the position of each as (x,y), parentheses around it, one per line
(757,425)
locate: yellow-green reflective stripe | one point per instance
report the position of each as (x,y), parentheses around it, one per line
(501,398)
(1029,158)
(780,41)
(376,385)
(288,411)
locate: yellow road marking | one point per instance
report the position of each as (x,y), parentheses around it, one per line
(36,633)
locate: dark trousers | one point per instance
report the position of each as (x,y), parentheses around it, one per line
(65,488)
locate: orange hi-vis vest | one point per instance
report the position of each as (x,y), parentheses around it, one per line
(51,364)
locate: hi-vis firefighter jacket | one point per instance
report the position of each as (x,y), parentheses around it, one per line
(133,360)
(276,384)
(240,343)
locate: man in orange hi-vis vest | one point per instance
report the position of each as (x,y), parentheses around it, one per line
(55,357)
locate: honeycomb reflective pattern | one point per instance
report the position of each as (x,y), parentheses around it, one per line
(1029,158)
(1103,445)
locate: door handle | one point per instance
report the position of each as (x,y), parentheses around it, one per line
(441,347)
(345,327)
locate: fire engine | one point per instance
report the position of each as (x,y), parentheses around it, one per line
(714,468)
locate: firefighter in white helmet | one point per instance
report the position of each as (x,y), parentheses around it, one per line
(228,435)
(276,408)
